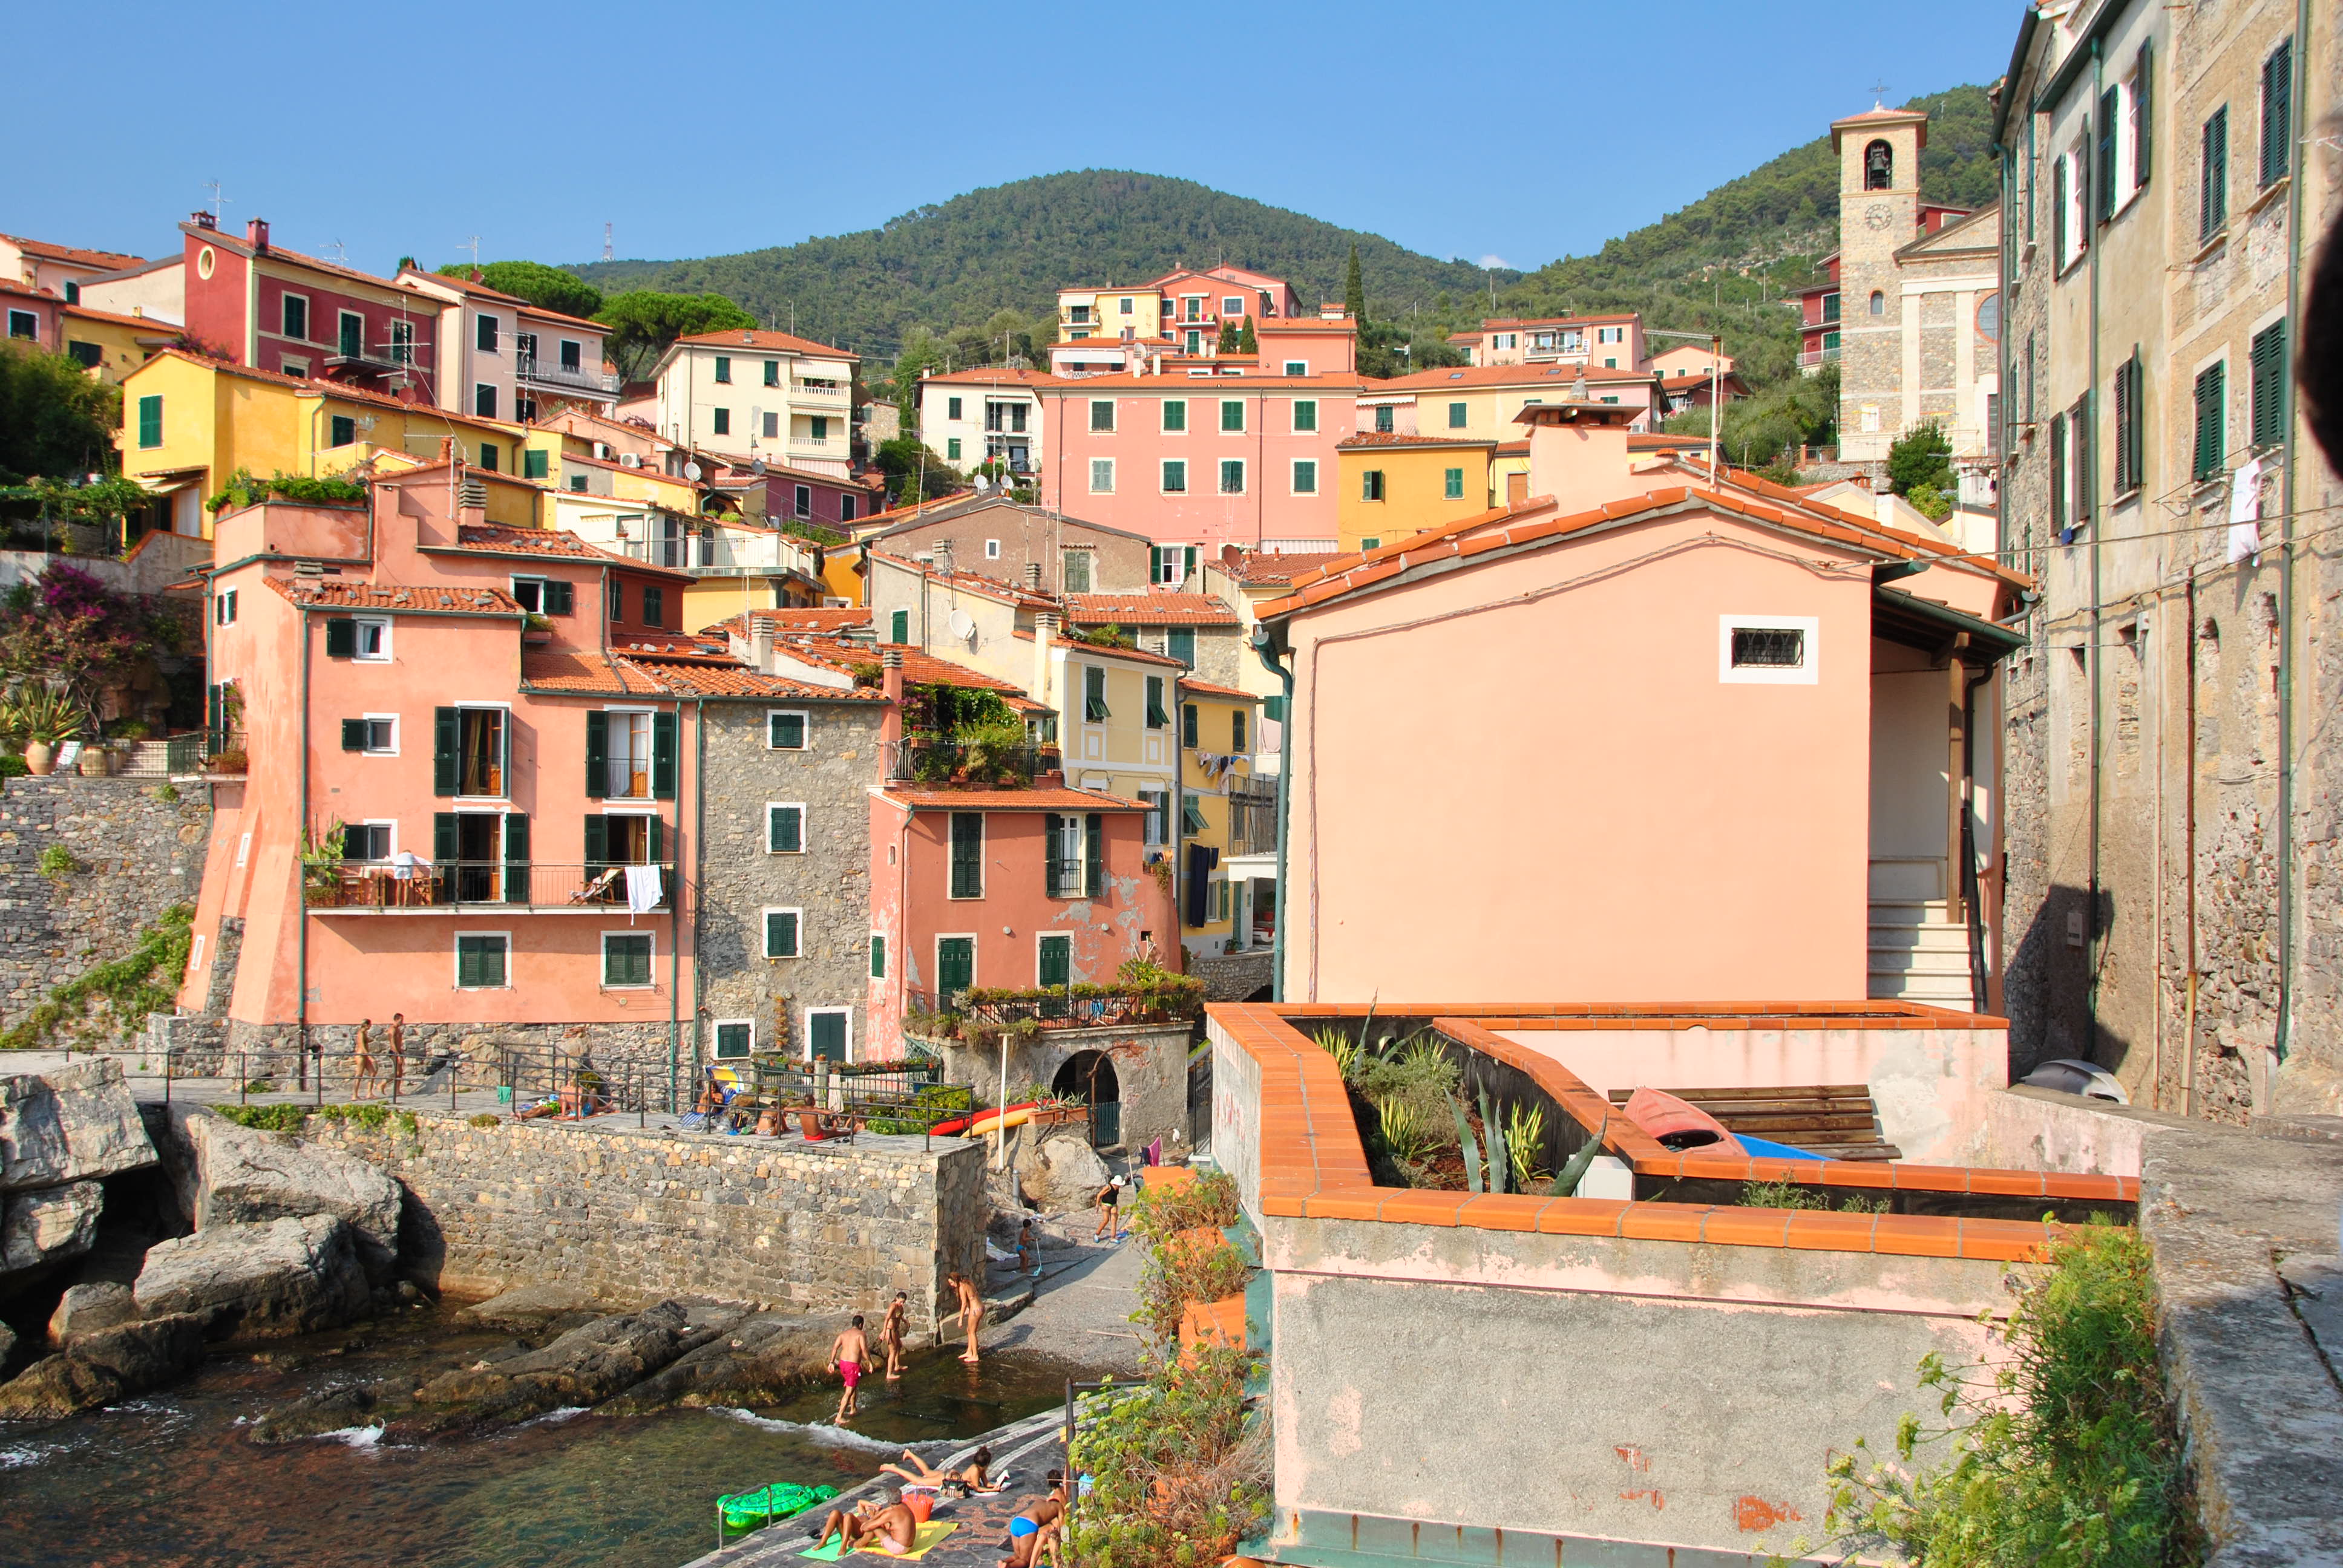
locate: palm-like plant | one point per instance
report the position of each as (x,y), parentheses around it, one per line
(37,713)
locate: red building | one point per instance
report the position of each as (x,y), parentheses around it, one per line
(251,303)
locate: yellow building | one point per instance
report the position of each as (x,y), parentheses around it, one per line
(109,345)
(1087,313)
(1221,803)
(188,423)
(1392,485)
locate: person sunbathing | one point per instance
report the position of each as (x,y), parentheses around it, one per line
(891,1527)
(972,1475)
(1035,1529)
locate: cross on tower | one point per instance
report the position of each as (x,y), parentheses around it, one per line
(1879,95)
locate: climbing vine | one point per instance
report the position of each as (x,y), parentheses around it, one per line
(142,981)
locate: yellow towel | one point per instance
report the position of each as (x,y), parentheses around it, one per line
(933,1531)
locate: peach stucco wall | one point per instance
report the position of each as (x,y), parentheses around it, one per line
(1526,779)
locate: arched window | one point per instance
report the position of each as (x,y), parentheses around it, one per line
(1878,303)
(1878,168)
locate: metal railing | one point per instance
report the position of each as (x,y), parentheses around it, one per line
(930,760)
(832,1098)
(1813,356)
(1252,821)
(808,389)
(541,1083)
(805,529)
(528,368)
(816,444)
(457,885)
(1081,1006)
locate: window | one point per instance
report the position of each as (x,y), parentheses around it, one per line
(1171,563)
(24,324)
(469,750)
(1101,413)
(484,400)
(625,961)
(341,430)
(1175,477)
(224,608)
(803,500)
(2131,444)
(2277,114)
(480,960)
(826,1030)
(781,933)
(1453,484)
(772,373)
(784,828)
(654,606)
(1192,816)
(846,509)
(2103,171)
(1188,725)
(1456,416)
(1232,305)
(1297,368)
(1180,643)
(86,355)
(968,854)
(1237,731)
(296,319)
(721,421)
(150,421)
(1305,477)
(372,633)
(1175,413)
(2269,385)
(1062,858)
(487,335)
(1767,650)
(1232,478)
(376,735)
(878,956)
(1094,708)
(1159,816)
(2212,392)
(1101,476)
(1878,168)
(951,447)
(1370,485)
(734,1037)
(2212,175)
(723,370)
(1157,718)
(1233,414)
(898,626)
(1505,340)
(1988,318)
(536,463)
(2058,504)
(818,427)
(785,730)
(951,408)
(1075,567)
(2082,489)
(1878,303)
(1384,419)
(544,595)
(1305,414)
(2139,122)
(369,840)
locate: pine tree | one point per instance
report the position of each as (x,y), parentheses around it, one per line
(1246,342)
(1354,291)
(1227,342)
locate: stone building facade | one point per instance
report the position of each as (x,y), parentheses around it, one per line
(2171,850)
(765,995)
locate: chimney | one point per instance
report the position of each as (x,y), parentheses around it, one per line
(1033,577)
(890,727)
(204,219)
(942,551)
(760,643)
(1045,632)
(256,232)
(1578,454)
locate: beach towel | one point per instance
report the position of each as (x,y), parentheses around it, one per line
(642,889)
(932,1531)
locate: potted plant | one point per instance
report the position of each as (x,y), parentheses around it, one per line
(45,719)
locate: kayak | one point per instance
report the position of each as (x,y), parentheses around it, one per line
(1019,1115)
(1679,1125)
(970,1124)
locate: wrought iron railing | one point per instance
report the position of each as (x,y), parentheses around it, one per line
(457,885)
(528,368)
(1252,821)
(928,759)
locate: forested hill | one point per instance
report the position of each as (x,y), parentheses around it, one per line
(1011,247)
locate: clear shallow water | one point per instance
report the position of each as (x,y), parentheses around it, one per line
(170,1481)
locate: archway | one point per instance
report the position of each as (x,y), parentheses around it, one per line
(1090,1074)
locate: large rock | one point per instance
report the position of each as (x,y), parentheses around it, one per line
(86,1308)
(583,1367)
(104,1367)
(289,1276)
(1065,1173)
(229,1175)
(53,1222)
(753,1361)
(72,1124)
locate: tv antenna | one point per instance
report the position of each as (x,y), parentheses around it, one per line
(340,254)
(607,252)
(219,201)
(472,245)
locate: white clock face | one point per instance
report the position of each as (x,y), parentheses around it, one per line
(1876,215)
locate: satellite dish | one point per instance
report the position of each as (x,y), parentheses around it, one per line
(963,626)
(692,472)
(756,467)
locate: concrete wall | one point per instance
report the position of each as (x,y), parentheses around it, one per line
(636,1213)
(138,855)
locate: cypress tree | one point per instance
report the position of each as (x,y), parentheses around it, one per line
(1354,291)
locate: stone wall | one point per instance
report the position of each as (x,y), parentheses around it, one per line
(137,854)
(1235,977)
(634,1214)
(1151,1069)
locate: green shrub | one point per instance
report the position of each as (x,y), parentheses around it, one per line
(166,791)
(12,766)
(58,861)
(485,1119)
(2066,1456)
(267,1118)
(144,981)
(1181,1467)
(1159,1212)
(1798,1195)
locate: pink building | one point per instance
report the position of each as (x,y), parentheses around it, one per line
(251,303)
(30,314)
(1199,459)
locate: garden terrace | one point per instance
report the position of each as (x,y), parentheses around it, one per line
(1083,1006)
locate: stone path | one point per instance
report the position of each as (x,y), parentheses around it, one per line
(1081,1310)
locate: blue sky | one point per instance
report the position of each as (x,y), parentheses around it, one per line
(1520,132)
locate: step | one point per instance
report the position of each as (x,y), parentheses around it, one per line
(1924,939)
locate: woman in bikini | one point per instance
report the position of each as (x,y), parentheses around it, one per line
(973,1475)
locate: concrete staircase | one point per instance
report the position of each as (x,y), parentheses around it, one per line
(1918,952)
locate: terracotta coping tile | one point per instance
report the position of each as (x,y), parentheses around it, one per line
(1664,1222)
(1581,1217)
(1413,1207)
(1874,1173)
(1811,1231)
(2115,1189)
(2006,1183)
(2003,1241)
(1931,1177)
(1279,1204)
(1502,1211)
(1342,1206)
(1746,1227)
(1919,1235)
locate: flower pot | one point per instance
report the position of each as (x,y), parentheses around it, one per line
(40,757)
(94,760)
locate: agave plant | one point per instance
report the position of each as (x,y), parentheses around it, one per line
(1525,1136)
(1403,1130)
(1575,1169)
(1336,1043)
(39,713)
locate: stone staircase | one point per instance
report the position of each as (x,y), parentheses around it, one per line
(1918,952)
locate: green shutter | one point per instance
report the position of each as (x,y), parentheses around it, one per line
(353,734)
(559,597)
(1053,828)
(1453,484)
(785,830)
(2269,385)
(780,933)
(2277,114)
(443,752)
(2103,176)
(2213,176)
(443,853)
(1175,413)
(733,1039)
(1188,725)
(517,877)
(786,731)
(341,637)
(878,956)
(598,755)
(2211,395)
(2144,114)
(826,1035)
(1456,416)
(1237,731)
(654,840)
(1180,642)
(598,844)
(2058,473)
(2058,214)
(663,729)
(967,855)
(1094,856)
(2123,427)
(536,464)
(898,626)
(1094,708)
(354,844)
(1273,708)
(1056,967)
(150,421)
(1232,414)
(1305,414)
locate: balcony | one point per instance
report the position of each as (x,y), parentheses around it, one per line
(562,378)
(812,391)
(828,446)
(474,887)
(931,759)
(1814,358)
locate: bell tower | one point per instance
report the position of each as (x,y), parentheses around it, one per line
(1879,215)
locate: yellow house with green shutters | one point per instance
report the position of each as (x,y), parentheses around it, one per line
(1222,827)
(189,423)
(1395,484)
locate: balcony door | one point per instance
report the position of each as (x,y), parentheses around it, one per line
(955,968)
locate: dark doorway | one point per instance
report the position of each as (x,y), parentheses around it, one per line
(1090,1074)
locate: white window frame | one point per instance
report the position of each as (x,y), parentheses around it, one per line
(1151,830)
(2078,212)
(243,851)
(390,822)
(716,1025)
(293,367)
(1297,368)
(224,608)
(805,1026)
(345,315)
(308,319)
(517,579)
(1221,417)
(2128,186)
(383,654)
(602,976)
(805,836)
(389,718)
(764,930)
(1163,475)
(492,706)
(801,498)
(1731,674)
(1176,556)
(1164,416)
(804,715)
(1107,404)
(1294,429)
(456,960)
(1232,305)
(992,549)
(1102,469)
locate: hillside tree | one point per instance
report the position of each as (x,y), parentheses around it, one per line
(643,323)
(547,288)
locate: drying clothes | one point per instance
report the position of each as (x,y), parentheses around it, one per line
(642,889)
(1202,859)
(2245,510)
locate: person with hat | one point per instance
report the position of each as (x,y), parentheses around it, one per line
(1109,1199)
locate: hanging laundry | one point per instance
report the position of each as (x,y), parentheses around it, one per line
(2245,512)
(642,891)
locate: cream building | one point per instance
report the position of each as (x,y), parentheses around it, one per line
(971,417)
(759,396)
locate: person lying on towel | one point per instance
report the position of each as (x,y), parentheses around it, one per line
(891,1528)
(971,1476)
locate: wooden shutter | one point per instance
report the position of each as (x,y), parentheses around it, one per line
(655,842)
(150,421)
(663,729)
(2083,437)
(2213,180)
(598,844)
(878,956)
(2058,473)
(780,934)
(2103,173)
(1053,843)
(443,853)
(354,734)
(1188,725)
(354,844)
(2143,116)
(898,626)
(2058,175)
(2211,394)
(826,1035)
(2277,114)
(2124,415)
(1057,966)
(443,752)
(597,756)
(967,855)
(341,637)
(517,858)
(1093,856)
(2135,454)
(2269,385)
(557,597)
(785,828)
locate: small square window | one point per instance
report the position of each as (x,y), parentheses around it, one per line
(1175,477)
(626,959)
(992,549)
(1305,414)
(721,421)
(1297,368)
(734,1037)
(1103,414)
(373,635)
(785,732)
(784,829)
(1305,477)
(224,608)
(1767,651)
(481,960)
(1232,477)
(368,840)
(772,373)
(1233,414)
(781,934)
(723,369)
(1101,476)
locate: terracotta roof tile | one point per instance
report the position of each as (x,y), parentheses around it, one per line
(1366,440)
(781,622)
(588,674)
(729,678)
(107,260)
(150,323)
(1273,567)
(1477,375)
(776,342)
(1149,609)
(1206,688)
(413,598)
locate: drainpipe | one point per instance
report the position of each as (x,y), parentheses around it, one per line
(675,918)
(2098,949)
(1968,836)
(2286,913)
(300,873)
(699,828)
(1261,646)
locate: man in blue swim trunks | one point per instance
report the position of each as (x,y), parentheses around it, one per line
(1035,1529)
